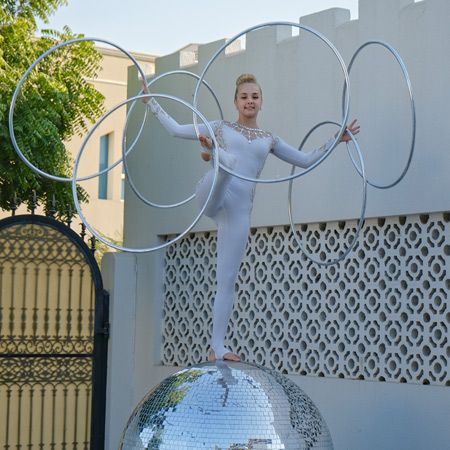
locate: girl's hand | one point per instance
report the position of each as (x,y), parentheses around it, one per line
(353,128)
(145,91)
(207,143)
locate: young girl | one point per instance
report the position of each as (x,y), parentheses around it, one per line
(243,148)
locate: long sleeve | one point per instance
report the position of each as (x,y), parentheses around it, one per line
(172,126)
(299,158)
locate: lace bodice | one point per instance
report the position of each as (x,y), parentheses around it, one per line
(249,133)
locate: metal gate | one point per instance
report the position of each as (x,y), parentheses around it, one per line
(53,338)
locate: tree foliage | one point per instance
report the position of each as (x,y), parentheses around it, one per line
(55,103)
(29,9)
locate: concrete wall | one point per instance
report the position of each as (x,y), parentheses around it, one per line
(302,85)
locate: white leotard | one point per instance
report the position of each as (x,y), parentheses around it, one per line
(243,150)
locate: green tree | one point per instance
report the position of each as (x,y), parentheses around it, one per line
(56,102)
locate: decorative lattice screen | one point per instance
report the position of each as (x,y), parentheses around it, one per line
(382,314)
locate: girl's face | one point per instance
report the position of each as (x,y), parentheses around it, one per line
(248,100)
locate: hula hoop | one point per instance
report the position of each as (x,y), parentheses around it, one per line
(412,105)
(19,87)
(347,96)
(363,203)
(126,151)
(83,146)
(360,168)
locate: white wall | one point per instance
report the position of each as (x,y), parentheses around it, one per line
(301,86)
(302,83)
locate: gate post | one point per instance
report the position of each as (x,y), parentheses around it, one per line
(119,277)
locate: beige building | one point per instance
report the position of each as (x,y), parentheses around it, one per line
(105,208)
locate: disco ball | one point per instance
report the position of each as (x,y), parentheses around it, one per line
(225,405)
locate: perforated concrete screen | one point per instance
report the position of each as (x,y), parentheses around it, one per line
(382,314)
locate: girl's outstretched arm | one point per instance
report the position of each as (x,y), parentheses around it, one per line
(186,131)
(175,129)
(306,159)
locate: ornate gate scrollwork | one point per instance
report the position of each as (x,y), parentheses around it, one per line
(53,338)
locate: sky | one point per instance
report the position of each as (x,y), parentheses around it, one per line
(161,27)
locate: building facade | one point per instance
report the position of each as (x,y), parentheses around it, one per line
(366,339)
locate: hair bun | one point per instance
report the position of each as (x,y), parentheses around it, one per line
(246,78)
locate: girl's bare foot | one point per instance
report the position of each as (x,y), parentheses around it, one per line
(229,356)
(211,356)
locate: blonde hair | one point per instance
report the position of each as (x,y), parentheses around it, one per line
(246,78)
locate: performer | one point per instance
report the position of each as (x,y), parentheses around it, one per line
(243,148)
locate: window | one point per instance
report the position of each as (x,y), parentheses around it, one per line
(103,179)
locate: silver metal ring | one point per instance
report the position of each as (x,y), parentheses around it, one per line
(126,151)
(363,203)
(196,113)
(19,87)
(83,146)
(347,95)
(413,111)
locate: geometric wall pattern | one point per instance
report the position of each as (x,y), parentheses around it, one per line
(382,314)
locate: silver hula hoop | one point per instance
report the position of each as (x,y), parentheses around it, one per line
(405,74)
(126,151)
(347,95)
(363,203)
(19,87)
(83,146)
(196,113)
